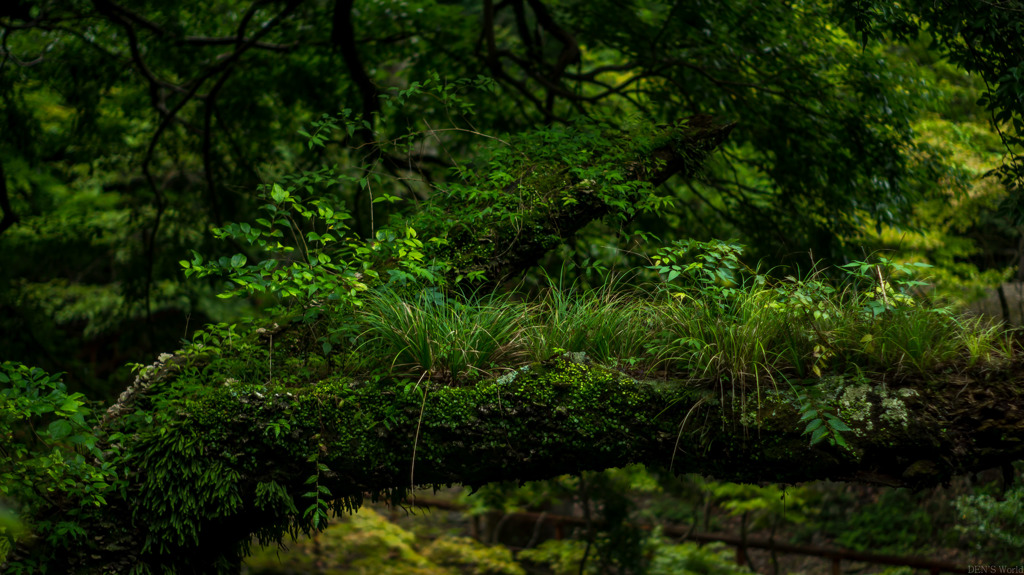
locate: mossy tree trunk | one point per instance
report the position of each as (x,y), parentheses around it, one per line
(239,461)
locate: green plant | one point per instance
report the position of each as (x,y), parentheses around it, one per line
(724,322)
(711,269)
(821,424)
(565,558)
(312,262)
(994,527)
(49,455)
(740,348)
(981,340)
(317,512)
(813,308)
(896,520)
(885,285)
(562,557)
(689,558)
(321,260)
(443,337)
(609,324)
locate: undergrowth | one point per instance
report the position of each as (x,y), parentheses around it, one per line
(745,330)
(705,319)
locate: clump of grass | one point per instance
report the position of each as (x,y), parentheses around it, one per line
(744,335)
(608,325)
(900,340)
(920,339)
(444,337)
(741,342)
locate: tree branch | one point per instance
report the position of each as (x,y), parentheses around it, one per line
(343,37)
(549,419)
(554,215)
(225,40)
(492,59)
(10,216)
(208,109)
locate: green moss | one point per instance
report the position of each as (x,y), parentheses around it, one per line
(855,406)
(873,408)
(472,557)
(566,410)
(362,544)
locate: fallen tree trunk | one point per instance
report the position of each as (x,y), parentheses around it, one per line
(228,462)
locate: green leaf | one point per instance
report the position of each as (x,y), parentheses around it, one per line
(278,194)
(837,424)
(840,440)
(814,425)
(238,260)
(59,429)
(818,435)
(70,405)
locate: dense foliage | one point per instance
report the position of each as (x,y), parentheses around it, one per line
(439,207)
(130,130)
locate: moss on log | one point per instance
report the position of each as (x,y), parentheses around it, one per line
(225,462)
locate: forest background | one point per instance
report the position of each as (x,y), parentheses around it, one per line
(131,131)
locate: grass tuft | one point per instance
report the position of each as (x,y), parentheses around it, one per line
(744,337)
(445,338)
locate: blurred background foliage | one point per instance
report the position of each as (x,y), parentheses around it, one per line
(641,518)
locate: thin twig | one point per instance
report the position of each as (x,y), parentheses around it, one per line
(415,444)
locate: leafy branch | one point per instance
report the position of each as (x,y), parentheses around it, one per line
(821,424)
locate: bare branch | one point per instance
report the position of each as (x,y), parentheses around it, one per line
(343,37)
(211,184)
(10,217)
(110,8)
(493,61)
(226,40)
